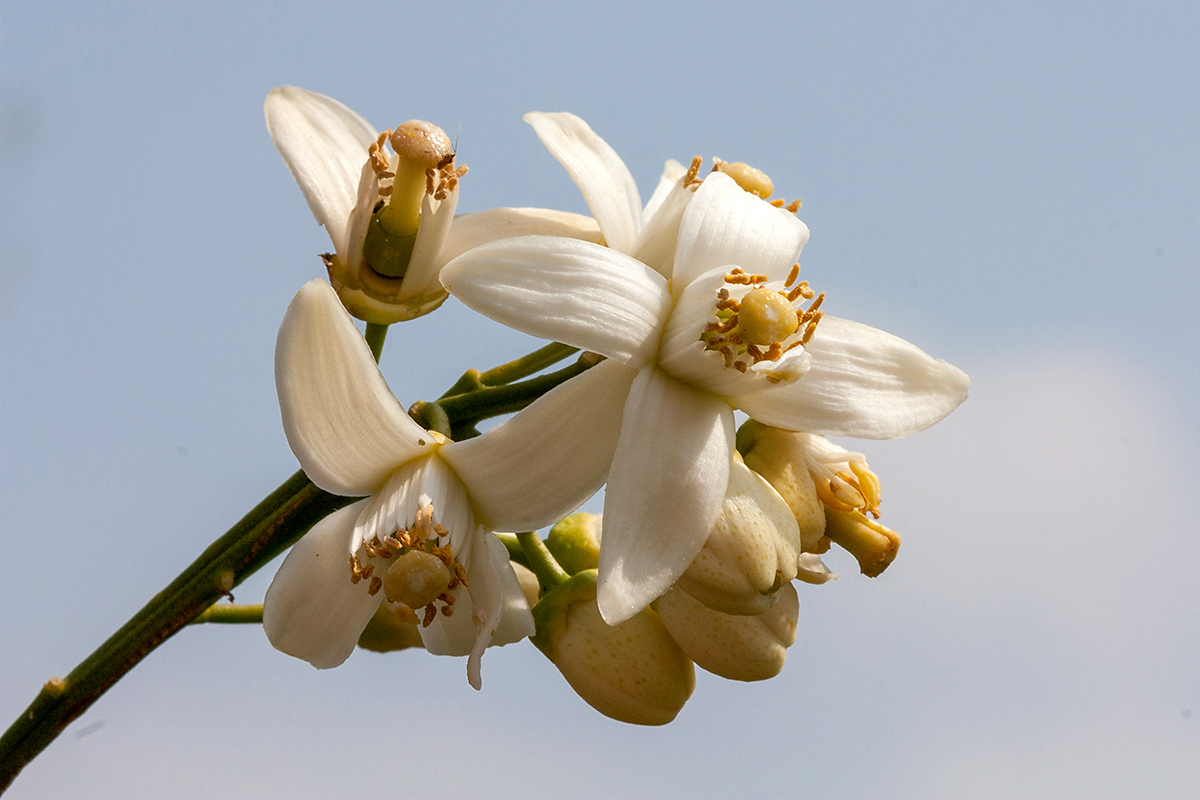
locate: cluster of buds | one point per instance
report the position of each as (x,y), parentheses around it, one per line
(735,610)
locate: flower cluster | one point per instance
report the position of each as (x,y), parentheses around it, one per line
(688,308)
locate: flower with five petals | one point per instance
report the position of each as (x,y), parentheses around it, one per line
(347,175)
(428,496)
(708,337)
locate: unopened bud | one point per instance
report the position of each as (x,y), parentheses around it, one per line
(751,551)
(734,646)
(779,457)
(575,542)
(633,672)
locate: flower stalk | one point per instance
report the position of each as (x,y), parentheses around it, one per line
(258,537)
(266,531)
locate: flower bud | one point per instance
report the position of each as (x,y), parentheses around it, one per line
(734,646)
(633,672)
(778,456)
(575,542)
(394,627)
(751,551)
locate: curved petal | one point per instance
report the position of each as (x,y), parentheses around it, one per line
(491,611)
(724,225)
(566,290)
(342,422)
(481,227)
(312,610)
(672,172)
(665,488)
(600,174)
(864,383)
(324,145)
(437,218)
(546,461)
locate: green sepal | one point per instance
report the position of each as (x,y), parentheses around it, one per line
(550,613)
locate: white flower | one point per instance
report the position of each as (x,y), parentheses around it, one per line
(352,437)
(672,462)
(338,159)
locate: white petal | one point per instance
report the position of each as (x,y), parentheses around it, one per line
(491,611)
(724,225)
(546,461)
(437,217)
(481,227)
(422,480)
(341,420)
(600,174)
(665,489)
(672,172)
(312,610)
(864,383)
(656,242)
(324,144)
(570,291)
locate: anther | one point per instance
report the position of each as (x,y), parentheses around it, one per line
(791,278)
(778,202)
(376,585)
(430,615)
(690,177)
(793,206)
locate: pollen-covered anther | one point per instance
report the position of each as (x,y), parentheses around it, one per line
(759,325)
(690,179)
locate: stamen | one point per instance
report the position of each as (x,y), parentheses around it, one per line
(778,202)
(376,585)
(791,278)
(794,206)
(689,178)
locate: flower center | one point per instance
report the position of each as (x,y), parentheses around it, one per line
(421,574)
(756,328)
(424,165)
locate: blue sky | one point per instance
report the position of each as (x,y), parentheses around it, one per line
(1016,189)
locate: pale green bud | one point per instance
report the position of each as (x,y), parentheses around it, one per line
(575,542)
(394,627)
(737,647)
(633,672)
(751,551)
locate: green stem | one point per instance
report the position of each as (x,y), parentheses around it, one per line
(270,528)
(375,335)
(231,613)
(541,562)
(513,544)
(466,409)
(516,369)
(264,533)
(525,366)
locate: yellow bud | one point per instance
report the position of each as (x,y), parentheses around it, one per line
(737,647)
(751,551)
(633,672)
(779,456)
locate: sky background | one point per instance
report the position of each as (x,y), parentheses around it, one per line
(1015,188)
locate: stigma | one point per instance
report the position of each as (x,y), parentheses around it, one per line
(759,329)
(418,572)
